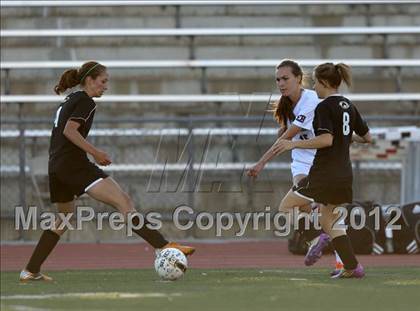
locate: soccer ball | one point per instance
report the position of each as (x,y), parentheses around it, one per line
(170,264)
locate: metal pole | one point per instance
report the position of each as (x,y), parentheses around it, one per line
(403,185)
(22,165)
(203,81)
(410,179)
(191,173)
(177,16)
(416,171)
(191,48)
(398,79)
(7,81)
(357,181)
(413,184)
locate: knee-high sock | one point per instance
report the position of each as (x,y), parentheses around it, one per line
(342,246)
(153,237)
(309,233)
(46,244)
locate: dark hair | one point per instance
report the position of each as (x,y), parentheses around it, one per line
(72,77)
(283,108)
(333,75)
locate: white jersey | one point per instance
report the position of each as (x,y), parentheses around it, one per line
(304,111)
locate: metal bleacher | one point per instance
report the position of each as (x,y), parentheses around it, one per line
(195,32)
(108,3)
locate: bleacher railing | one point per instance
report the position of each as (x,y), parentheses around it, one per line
(58,3)
(204,65)
(209,98)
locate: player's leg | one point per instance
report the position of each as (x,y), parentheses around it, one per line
(292,200)
(289,203)
(338,263)
(296,179)
(341,243)
(46,244)
(318,242)
(109,192)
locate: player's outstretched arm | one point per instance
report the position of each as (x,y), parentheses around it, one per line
(271,152)
(288,134)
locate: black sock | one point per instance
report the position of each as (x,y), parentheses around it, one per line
(343,247)
(46,244)
(153,237)
(308,233)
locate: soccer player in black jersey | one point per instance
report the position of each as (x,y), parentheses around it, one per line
(71,173)
(330,178)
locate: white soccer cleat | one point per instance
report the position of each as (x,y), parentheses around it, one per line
(26,276)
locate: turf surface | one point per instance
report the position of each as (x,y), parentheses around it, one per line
(241,289)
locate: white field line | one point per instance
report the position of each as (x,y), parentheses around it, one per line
(101,295)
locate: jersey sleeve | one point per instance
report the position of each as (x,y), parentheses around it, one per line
(84,108)
(360,126)
(305,115)
(323,122)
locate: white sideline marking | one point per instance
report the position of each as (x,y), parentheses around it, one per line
(26,308)
(297,279)
(102,295)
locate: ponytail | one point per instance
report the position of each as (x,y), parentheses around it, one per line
(70,78)
(332,75)
(283,111)
(345,73)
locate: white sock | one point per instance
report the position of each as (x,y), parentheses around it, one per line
(337,258)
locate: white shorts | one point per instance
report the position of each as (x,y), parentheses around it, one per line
(300,168)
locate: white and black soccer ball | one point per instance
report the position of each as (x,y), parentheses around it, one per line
(170,264)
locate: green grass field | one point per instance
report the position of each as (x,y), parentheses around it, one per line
(241,289)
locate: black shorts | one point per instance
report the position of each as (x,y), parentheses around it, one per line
(72,180)
(324,193)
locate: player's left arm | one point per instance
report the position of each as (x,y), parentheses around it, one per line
(291,132)
(365,139)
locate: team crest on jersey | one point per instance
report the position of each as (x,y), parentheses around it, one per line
(301,118)
(344,105)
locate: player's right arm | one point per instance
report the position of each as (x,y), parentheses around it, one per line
(361,129)
(71,133)
(271,153)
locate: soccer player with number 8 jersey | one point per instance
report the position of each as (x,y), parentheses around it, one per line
(330,178)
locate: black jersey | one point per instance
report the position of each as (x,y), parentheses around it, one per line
(78,107)
(338,116)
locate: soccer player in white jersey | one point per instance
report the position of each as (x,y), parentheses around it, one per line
(295,112)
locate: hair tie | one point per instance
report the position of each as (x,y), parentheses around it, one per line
(87,72)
